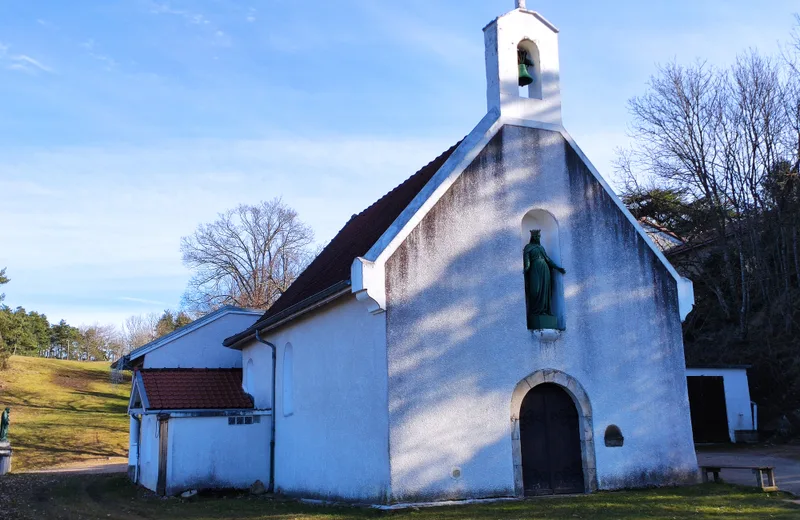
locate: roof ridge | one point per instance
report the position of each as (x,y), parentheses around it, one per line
(361,232)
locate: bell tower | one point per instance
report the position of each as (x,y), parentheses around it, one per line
(522,66)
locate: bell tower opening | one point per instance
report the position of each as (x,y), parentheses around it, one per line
(522,71)
(530,70)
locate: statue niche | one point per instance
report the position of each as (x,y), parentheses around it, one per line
(537,268)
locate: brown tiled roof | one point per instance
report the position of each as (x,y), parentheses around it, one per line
(194,388)
(332,265)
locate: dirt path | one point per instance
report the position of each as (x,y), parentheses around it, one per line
(785,459)
(88,467)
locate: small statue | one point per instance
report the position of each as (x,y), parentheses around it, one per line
(538,284)
(4,422)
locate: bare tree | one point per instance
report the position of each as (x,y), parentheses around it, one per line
(247,257)
(100,342)
(725,144)
(139,330)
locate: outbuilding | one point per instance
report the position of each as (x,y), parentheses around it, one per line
(196,429)
(720,405)
(195,345)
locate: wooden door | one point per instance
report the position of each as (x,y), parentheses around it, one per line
(550,442)
(163,435)
(707,408)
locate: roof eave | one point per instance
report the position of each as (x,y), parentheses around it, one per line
(290,313)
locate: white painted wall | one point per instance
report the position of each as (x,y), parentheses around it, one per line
(260,385)
(335,443)
(207,452)
(148,452)
(458,343)
(202,348)
(737,396)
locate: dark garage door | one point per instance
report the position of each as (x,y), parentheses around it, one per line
(707,404)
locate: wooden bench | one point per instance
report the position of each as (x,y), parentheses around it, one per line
(765,475)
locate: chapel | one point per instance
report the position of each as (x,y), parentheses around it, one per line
(498,325)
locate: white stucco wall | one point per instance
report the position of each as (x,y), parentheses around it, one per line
(334,444)
(148,452)
(202,348)
(260,385)
(207,452)
(458,343)
(737,396)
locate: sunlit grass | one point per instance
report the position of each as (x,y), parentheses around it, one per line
(63,411)
(114,497)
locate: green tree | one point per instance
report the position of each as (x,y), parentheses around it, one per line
(64,341)
(170,321)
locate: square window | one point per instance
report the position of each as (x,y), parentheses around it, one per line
(240,420)
(231,421)
(248,420)
(257,419)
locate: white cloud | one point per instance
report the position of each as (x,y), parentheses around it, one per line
(191,17)
(142,300)
(90,45)
(28,64)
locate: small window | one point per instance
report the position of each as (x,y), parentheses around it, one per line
(613,437)
(248,420)
(240,420)
(257,419)
(231,421)
(248,380)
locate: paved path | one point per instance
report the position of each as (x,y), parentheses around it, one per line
(785,459)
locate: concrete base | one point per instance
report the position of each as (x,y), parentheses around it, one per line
(748,436)
(5,457)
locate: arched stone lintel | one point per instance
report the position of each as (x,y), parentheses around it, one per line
(584,407)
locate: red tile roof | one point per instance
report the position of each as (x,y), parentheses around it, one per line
(332,265)
(194,388)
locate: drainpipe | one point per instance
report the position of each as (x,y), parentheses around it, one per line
(271,487)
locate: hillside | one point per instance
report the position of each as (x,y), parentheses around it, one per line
(63,411)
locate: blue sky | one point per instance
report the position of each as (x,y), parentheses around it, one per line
(124,124)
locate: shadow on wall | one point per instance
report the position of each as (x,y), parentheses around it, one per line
(457,326)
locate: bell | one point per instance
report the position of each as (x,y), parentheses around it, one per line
(525,78)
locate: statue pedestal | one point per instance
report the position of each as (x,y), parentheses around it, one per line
(547,335)
(5,457)
(543,321)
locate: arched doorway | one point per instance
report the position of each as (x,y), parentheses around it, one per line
(550,442)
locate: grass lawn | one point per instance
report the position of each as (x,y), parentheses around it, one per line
(113,497)
(63,411)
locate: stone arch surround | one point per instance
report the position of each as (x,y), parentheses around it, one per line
(581,399)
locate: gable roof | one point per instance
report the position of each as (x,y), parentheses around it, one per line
(382,227)
(127,361)
(193,389)
(331,268)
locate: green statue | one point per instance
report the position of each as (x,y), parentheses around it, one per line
(4,421)
(539,284)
